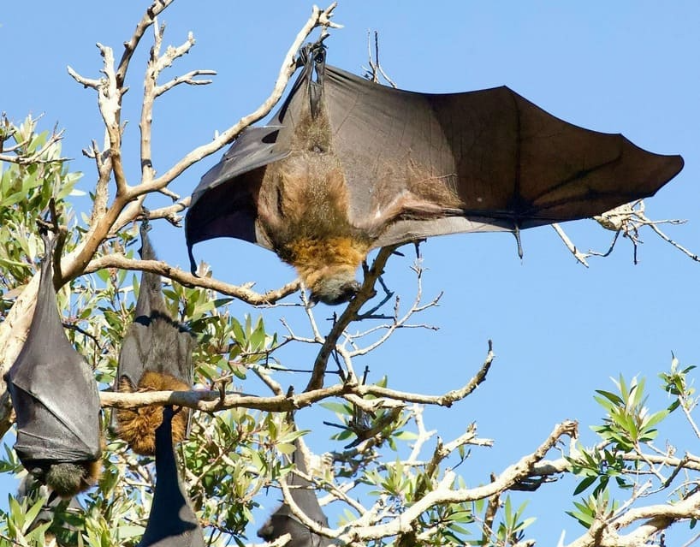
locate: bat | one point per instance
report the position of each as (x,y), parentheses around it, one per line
(282,521)
(156,355)
(55,398)
(55,509)
(348,165)
(172,523)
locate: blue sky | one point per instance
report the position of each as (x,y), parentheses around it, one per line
(560,331)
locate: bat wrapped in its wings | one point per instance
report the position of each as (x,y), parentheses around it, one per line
(283,521)
(172,523)
(348,165)
(54,394)
(156,355)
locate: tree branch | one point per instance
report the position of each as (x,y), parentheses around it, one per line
(242,292)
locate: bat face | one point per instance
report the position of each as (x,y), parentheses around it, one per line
(348,165)
(282,521)
(156,355)
(172,523)
(55,398)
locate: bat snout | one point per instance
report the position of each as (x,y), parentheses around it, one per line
(333,291)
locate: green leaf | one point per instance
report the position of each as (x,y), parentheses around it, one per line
(584,484)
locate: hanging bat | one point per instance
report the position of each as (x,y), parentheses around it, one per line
(283,521)
(156,355)
(172,523)
(348,165)
(54,395)
(64,516)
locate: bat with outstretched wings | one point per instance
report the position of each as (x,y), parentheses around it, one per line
(55,398)
(348,165)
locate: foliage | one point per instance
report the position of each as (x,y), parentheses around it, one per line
(232,456)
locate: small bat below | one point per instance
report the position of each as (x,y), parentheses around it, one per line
(172,523)
(283,521)
(54,394)
(348,165)
(156,355)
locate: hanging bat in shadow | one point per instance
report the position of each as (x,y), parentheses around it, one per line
(156,355)
(348,165)
(60,512)
(283,521)
(55,398)
(172,523)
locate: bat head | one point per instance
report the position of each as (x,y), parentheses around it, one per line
(334,290)
(67,479)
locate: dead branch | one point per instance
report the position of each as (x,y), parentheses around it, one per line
(350,313)
(625,220)
(242,292)
(318,18)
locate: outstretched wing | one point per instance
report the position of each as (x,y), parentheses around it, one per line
(419,164)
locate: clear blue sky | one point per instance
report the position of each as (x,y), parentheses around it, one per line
(560,330)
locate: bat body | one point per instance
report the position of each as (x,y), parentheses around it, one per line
(55,398)
(348,165)
(282,521)
(156,355)
(172,523)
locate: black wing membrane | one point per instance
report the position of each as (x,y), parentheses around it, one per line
(156,355)
(282,521)
(490,159)
(172,523)
(53,389)
(165,348)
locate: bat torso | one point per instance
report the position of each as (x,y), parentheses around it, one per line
(304,207)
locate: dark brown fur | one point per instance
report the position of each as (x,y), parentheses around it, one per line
(69,479)
(138,427)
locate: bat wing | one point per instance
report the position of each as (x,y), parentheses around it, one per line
(218,209)
(283,521)
(53,390)
(419,164)
(172,523)
(225,202)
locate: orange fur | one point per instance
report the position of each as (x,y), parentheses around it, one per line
(138,427)
(316,259)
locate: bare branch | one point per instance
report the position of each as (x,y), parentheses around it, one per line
(155,9)
(185,278)
(447,399)
(362,530)
(581,257)
(318,18)
(350,313)
(36,157)
(188,79)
